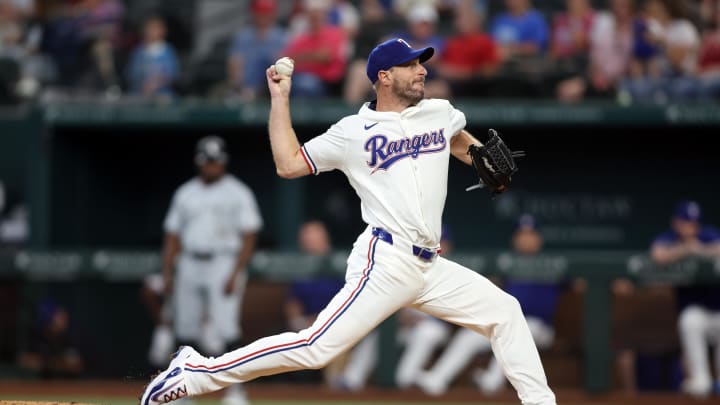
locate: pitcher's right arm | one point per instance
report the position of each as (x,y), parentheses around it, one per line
(289,160)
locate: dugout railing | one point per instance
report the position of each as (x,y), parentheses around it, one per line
(598,268)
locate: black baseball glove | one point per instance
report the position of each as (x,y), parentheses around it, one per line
(494,164)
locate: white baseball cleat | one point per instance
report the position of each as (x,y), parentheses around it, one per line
(697,387)
(234,395)
(489,383)
(169,385)
(161,346)
(431,385)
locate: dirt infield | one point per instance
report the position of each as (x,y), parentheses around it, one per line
(39,403)
(272,391)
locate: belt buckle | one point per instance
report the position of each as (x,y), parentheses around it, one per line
(424,253)
(203,256)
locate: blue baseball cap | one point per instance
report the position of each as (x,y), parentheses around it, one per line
(688,211)
(46,310)
(394,52)
(526,222)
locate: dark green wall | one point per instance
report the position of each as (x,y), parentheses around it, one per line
(13,133)
(591,183)
(589,187)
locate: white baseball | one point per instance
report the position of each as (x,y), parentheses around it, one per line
(284,66)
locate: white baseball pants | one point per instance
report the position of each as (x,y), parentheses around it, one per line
(203,312)
(699,328)
(381,279)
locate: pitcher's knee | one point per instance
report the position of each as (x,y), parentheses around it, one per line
(317,362)
(692,319)
(319,357)
(512,305)
(509,310)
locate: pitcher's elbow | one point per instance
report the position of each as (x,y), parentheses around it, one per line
(286,173)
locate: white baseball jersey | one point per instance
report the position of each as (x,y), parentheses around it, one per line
(381,153)
(211,218)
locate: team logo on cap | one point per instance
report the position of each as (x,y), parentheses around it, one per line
(403,41)
(384,153)
(212,147)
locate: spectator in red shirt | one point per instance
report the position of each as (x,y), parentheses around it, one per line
(709,58)
(470,56)
(571,30)
(320,54)
(709,63)
(570,42)
(611,41)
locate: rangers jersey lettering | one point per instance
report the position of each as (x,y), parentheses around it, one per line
(396,162)
(384,153)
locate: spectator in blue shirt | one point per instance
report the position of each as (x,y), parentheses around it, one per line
(253,49)
(153,66)
(53,347)
(520,31)
(698,305)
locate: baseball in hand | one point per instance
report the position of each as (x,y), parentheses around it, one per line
(284,66)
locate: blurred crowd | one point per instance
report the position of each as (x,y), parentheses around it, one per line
(629,51)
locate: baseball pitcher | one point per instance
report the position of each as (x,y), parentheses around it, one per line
(395,153)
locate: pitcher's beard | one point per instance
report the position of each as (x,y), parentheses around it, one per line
(407,94)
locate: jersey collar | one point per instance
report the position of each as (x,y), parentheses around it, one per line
(368,111)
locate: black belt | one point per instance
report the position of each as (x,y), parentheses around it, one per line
(202,255)
(421,252)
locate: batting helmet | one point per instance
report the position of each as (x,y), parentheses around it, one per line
(211,149)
